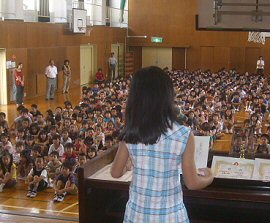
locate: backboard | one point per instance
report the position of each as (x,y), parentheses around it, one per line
(79,20)
(234,15)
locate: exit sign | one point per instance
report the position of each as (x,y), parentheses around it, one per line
(156,39)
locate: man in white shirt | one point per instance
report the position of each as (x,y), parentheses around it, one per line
(51,74)
(112,65)
(260,66)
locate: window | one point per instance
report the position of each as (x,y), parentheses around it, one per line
(29,4)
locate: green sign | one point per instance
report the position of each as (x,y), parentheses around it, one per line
(156,39)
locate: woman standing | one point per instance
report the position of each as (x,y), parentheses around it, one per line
(67,76)
(159,149)
(19,79)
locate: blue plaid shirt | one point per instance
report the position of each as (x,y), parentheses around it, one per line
(155,194)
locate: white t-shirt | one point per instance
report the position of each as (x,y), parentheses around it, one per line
(44,174)
(112,61)
(51,71)
(60,149)
(260,64)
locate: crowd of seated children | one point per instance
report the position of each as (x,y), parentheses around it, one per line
(39,143)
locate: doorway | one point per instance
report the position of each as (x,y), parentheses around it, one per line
(118,50)
(88,64)
(3,77)
(157,56)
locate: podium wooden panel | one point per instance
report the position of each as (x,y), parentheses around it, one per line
(226,200)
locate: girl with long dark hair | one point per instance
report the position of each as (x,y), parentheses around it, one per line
(159,149)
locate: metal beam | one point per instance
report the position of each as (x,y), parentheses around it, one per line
(253,13)
(245,4)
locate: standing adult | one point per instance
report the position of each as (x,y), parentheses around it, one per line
(19,81)
(260,66)
(112,65)
(67,76)
(51,74)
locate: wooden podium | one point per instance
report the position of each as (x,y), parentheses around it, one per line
(226,200)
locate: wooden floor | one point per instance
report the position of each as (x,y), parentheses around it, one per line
(16,207)
(74,96)
(26,219)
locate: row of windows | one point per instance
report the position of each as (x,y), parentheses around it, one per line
(99,12)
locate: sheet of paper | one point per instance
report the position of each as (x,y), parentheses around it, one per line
(261,170)
(233,168)
(201,151)
(105,174)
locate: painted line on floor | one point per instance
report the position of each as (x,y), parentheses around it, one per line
(68,207)
(38,209)
(28,199)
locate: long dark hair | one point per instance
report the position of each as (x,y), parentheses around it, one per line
(150,109)
(8,168)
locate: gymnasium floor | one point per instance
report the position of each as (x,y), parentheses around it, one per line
(14,205)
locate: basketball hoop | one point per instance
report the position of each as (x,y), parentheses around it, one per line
(82,29)
(256,37)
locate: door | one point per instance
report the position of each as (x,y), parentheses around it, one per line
(118,50)
(251,57)
(3,77)
(157,56)
(178,58)
(207,58)
(88,64)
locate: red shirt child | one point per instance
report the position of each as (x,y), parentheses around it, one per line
(100,76)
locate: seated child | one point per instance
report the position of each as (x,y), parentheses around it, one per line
(56,146)
(65,183)
(7,171)
(20,136)
(25,164)
(79,146)
(255,124)
(54,165)
(19,147)
(37,179)
(82,161)
(70,156)
(228,121)
(91,152)
(263,147)
(5,144)
(236,102)
(35,152)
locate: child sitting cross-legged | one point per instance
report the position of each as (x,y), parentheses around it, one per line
(7,171)
(65,183)
(37,179)
(54,165)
